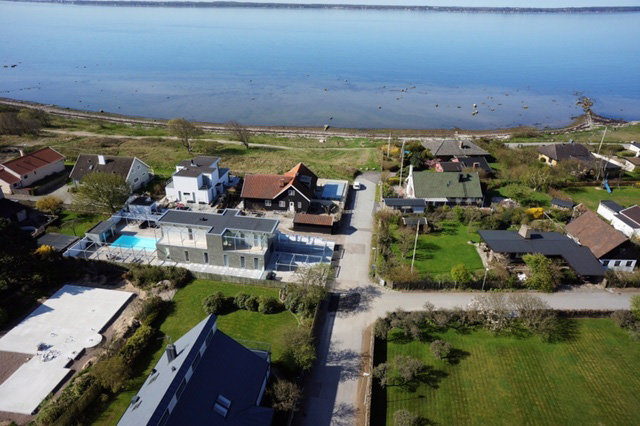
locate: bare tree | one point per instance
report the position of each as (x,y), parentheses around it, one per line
(239,133)
(185,130)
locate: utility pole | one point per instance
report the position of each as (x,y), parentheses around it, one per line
(600,147)
(401,163)
(389,146)
(484,280)
(415,244)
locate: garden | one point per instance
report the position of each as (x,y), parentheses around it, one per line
(480,367)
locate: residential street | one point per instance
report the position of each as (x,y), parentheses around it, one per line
(332,390)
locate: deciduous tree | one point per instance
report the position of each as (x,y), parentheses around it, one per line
(184,130)
(102,192)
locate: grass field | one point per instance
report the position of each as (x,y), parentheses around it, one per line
(437,252)
(614,134)
(589,380)
(187,313)
(73,223)
(591,196)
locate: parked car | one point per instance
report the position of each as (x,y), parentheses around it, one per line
(357,185)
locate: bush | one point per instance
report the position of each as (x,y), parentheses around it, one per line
(49,204)
(284,395)
(215,303)
(302,299)
(299,349)
(623,319)
(635,306)
(405,418)
(268,305)
(252,304)
(111,373)
(137,343)
(440,349)
(147,276)
(151,310)
(241,300)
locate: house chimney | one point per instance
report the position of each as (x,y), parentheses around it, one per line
(525,232)
(171,352)
(21,152)
(101,160)
(460,144)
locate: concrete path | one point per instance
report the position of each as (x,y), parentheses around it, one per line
(333,391)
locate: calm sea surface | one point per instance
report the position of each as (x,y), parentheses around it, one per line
(313,67)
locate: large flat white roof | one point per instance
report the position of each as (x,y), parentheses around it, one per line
(54,334)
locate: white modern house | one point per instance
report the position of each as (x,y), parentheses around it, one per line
(199,180)
(624,220)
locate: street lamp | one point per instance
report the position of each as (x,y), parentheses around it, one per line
(486,270)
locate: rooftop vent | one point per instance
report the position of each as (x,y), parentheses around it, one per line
(171,352)
(222,405)
(135,402)
(203,219)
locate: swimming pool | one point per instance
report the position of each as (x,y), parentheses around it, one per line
(138,243)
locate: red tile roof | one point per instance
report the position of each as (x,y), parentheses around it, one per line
(267,187)
(595,233)
(8,177)
(34,161)
(313,219)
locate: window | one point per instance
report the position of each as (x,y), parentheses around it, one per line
(292,192)
(186,256)
(617,263)
(183,385)
(267,203)
(135,180)
(629,262)
(226,260)
(242,261)
(299,204)
(256,263)
(282,204)
(190,233)
(206,257)
(605,262)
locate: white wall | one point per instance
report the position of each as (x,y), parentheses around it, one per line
(610,264)
(42,172)
(139,174)
(605,212)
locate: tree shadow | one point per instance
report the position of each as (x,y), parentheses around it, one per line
(566,330)
(457,355)
(357,300)
(350,363)
(428,375)
(343,414)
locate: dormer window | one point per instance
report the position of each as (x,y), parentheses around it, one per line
(292,192)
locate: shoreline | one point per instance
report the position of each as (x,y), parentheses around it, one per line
(579,123)
(338,6)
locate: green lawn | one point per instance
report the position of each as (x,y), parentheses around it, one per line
(437,252)
(74,223)
(188,312)
(589,380)
(591,196)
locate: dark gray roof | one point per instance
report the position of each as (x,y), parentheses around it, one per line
(453,148)
(612,205)
(636,144)
(88,163)
(580,259)
(632,213)
(451,166)
(413,221)
(562,203)
(194,171)
(199,161)
(627,221)
(217,223)
(405,202)
(226,368)
(58,241)
(566,151)
(475,161)
(100,227)
(142,201)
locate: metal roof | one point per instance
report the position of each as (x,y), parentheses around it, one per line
(612,205)
(225,368)
(579,258)
(404,202)
(562,203)
(217,223)
(57,241)
(102,226)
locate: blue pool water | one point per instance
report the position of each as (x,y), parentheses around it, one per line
(138,243)
(345,68)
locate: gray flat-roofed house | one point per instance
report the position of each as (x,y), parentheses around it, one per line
(222,239)
(204,378)
(414,205)
(515,244)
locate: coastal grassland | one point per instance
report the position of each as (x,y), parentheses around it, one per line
(163,154)
(588,379)
(591,196)
(437,252)
(187,312)
(614,134)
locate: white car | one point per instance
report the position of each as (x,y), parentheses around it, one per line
(356,185)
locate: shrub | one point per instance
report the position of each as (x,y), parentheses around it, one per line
(241,300)
(268,305)
(111,373)
(623,319)
(284,395)
(252,304)
(146,276)
(405,418)
(151,309)
(635,306)
(440,349)
(299,349)
(49,204)
(302,299)
(215,303)
(137,343)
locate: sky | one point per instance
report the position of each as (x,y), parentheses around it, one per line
(466,3)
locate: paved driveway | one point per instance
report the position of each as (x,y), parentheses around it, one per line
(332,389)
